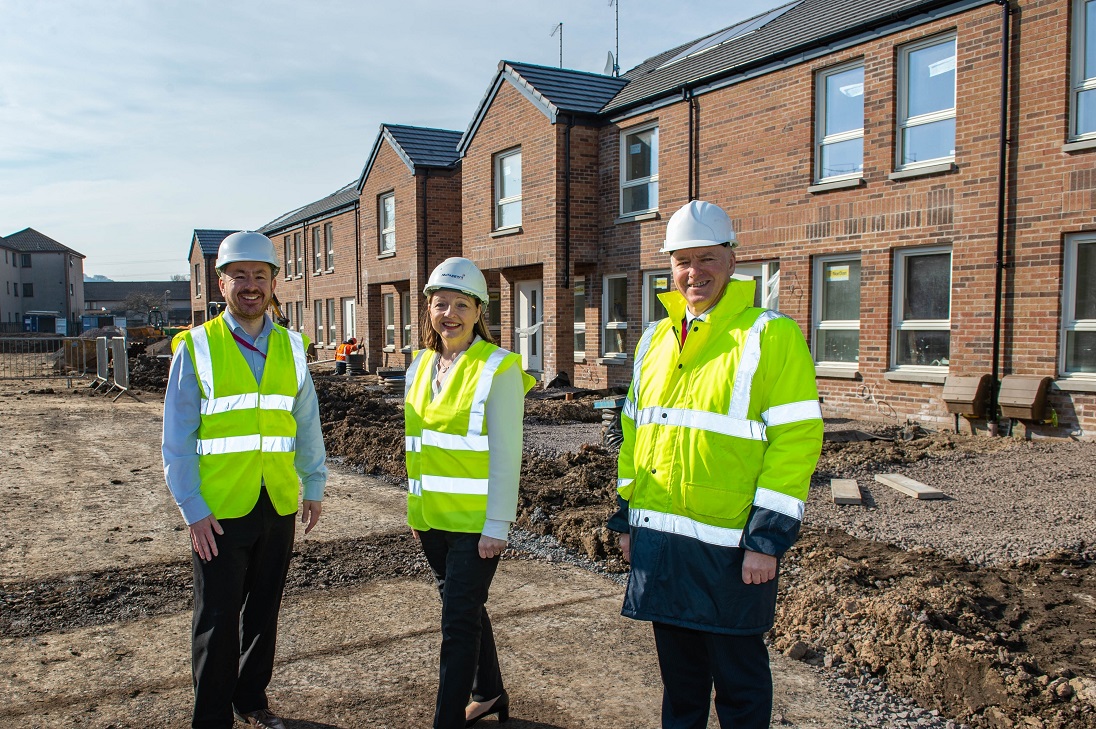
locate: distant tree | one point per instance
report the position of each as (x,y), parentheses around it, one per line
(139,303)
(180,277)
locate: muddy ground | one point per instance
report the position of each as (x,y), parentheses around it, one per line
(981,607)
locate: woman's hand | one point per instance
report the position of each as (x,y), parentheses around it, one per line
(490,547)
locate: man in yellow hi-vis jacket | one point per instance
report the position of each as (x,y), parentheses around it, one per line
(722,430)
(241,435)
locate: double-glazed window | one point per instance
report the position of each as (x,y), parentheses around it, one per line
(1079,307)
(494,313)
(922,308)
(405,319)
(24,259)
(508,189)
(836,335)
(580,317)
(317,252)
(926,102)
(1083,72)
(615,315)
(287,268)
(332,336)
(317,313)
(386,220)
(389,301)
(28,290)
(839,145)
(329,244)
(298,255)
(638,170)
(655,283)
(197,280)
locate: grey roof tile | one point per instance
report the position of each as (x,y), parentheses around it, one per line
(577,92)
(345,196)
(29,240)
(119,290)
(416,146)
(210,240)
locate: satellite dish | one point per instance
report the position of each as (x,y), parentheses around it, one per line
(610,65)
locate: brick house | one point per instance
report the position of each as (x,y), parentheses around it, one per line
(319,282)
(410,199)
(204,290)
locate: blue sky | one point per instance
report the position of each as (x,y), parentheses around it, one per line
(125,124)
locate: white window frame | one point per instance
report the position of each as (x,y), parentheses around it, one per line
(767,292)
(386,229)
(298,251)
(388,312)
(647,276)
(287,269)
(1069,301)
(329,245)
(820,324)
(898,325)
(332,318)
(500,201)
(905,122)
(650,180)
(317,257)
(609,325)
(405,319)
(822,139)
(197,280)
(580,326)
(1078,82)
(317,317)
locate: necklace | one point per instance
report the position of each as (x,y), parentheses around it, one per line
(443,367)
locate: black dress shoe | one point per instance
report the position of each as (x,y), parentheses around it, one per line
(261,718)
(501,707)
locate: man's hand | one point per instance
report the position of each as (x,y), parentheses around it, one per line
(624,541)
(758,568)
(310,514)
(490,547)
(201,537)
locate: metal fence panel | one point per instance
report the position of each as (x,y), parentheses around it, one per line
(26,358)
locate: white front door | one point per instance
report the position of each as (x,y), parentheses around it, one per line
(527,324)
(349,328)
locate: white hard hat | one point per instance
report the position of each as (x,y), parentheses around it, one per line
(458,274)
(247,246)
(698,224)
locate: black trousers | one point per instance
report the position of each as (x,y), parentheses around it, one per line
(691,661)
(237,596)
(469,662)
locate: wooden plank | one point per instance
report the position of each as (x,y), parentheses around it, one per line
(845,491)
(909,487)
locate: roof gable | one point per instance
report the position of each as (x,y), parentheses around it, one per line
(29,240)
(553,91)
(416,146)
(209,240)
(346,196)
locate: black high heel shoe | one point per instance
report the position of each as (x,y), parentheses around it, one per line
(501,707)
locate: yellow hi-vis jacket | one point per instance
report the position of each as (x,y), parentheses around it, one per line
(448,446)
(247,435)
(721,437)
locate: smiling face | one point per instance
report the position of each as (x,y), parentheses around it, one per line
(248,287)
(453,316)
(701,274)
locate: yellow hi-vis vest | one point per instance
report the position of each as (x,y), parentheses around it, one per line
(247,434)
(448,447)
(725,423)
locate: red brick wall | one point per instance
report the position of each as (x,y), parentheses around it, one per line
(210,290)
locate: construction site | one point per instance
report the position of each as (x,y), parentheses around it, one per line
(975,608)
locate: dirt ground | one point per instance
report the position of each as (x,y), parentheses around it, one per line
(95,588)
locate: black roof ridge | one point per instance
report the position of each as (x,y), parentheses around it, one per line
(559,69)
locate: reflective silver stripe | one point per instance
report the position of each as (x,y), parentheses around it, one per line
(412,443)
(747,366)
(412,370)
(622,482)
(414,486)
(279,444)
(449,485)
(685,527)
(782,503)
(702,420)
(483,389)
(792,412)
(219,405)
(203,363)
(231,444)
(641,353)
(630,409)
(300,362)
(451,442)
(276,402)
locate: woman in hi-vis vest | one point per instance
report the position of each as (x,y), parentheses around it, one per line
(465,399)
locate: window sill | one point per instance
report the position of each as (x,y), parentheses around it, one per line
(1079,146)
(503,232)
(405,350)
(922,376)
(638,217)
(938,169)
(838,373)
(386,254)
(580,359)
(331,346)
(330,270)
(389,348)
(611,360)
(1075,384)
(299,275)
(835,185)
(316,273)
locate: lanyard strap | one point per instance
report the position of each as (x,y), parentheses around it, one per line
(248,344)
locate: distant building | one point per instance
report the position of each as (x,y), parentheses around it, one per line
(172,298)
(203,276)
(42,284)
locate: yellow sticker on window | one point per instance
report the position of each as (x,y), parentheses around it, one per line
(837,273)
